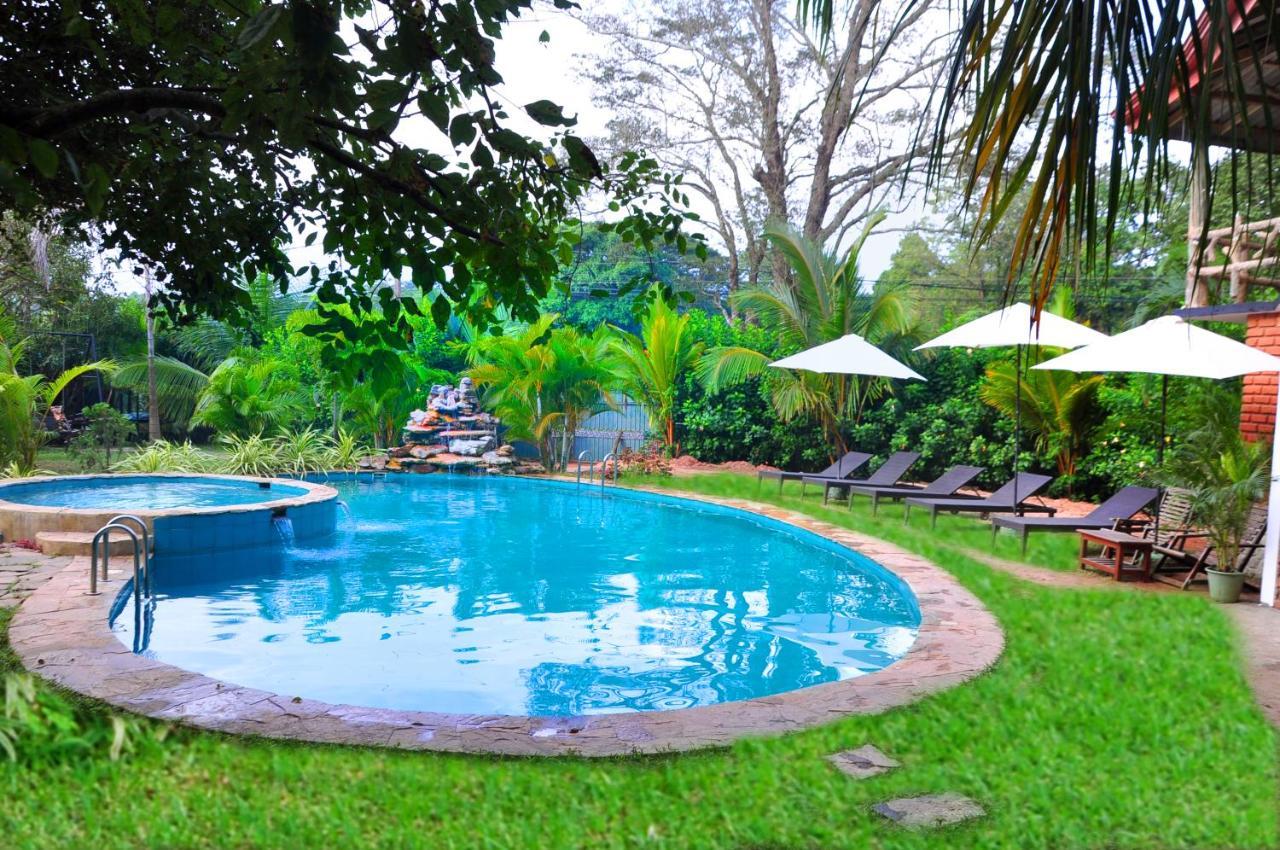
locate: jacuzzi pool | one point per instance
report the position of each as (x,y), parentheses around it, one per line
(467,595)
(147,493)
(185,512)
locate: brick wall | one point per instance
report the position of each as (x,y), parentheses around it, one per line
(1258,410)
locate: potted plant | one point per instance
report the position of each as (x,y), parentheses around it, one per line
(1226,475)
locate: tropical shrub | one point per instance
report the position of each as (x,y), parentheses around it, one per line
(25,400)
(106,431)
(251,455)
(39,726)
(302,452)
(1225,473)
(163,456)
(346,450)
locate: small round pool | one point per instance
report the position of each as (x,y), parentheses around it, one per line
(145,492)
(468,595)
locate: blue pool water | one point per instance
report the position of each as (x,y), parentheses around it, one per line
(508,596)
(127,492)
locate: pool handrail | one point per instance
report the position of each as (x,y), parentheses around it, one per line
(146,543)
(104,534)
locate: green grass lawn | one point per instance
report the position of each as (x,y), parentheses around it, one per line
(1113,720)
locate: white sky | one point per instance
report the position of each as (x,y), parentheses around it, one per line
(532,71)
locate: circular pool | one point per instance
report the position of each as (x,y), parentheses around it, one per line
(184,511)
(501,596)
(147,492)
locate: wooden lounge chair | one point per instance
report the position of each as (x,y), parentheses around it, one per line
(1169,536)
(844,467)
(946,484)
(1123,505)
(1252,542)
(1027,484)
(886,475)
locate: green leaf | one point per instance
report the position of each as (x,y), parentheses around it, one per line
(544,37)
(440,311)
(549,114)
(260,25)
(435,108)
(44,157)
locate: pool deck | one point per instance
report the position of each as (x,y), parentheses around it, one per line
(62,634)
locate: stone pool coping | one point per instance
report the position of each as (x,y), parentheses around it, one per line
(62,634)
(19,520)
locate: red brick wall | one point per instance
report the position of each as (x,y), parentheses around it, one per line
(1258,410)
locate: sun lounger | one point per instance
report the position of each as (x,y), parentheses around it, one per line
(944,485)
(886,475)
(1027,485)
(843,468)
(1123,505)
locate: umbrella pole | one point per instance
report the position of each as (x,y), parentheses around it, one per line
(1164,407)
(1017,419)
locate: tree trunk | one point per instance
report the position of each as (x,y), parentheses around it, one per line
(153,401)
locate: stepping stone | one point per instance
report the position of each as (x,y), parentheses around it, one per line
(931,810)
(863,762)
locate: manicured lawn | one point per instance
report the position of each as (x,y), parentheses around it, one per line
(1114,720)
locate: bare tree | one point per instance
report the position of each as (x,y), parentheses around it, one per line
(765,123)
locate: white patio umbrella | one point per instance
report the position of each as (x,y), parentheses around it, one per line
(848,355)
(1013,326)
(1172,346)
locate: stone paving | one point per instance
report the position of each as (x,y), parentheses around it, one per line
(863,763)
(62,634)
(930,810)
(23,571)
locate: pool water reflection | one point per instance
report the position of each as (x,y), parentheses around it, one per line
(509,596)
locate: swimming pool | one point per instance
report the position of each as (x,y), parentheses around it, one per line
(147,492)
(183,511)
(466,595)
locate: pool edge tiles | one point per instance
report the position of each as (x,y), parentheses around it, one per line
(20,520)
(64,636)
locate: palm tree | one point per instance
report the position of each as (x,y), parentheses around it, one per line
(1057,407)
(177,384)
(649,366)
(822,302)
(1033,87)
(543,382)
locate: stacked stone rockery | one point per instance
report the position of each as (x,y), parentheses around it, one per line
(453,434)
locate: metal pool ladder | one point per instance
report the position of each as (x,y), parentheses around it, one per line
(590,474)
(604,468)
(141,554)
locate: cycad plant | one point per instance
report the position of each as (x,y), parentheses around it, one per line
(823,301)
(648,366)
(544,382)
